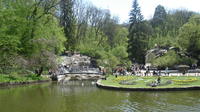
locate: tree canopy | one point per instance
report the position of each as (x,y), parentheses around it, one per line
(34,33)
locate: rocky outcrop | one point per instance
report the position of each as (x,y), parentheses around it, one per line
(159,51)
(77,64)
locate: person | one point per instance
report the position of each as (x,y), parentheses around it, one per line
(160,72)
(132,72)
(154,73)
(124,71)
(166,71)
(145,74)
(50,72)
(159,80)
(104,71)
(153,84)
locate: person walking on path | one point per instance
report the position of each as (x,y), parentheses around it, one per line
(166,71)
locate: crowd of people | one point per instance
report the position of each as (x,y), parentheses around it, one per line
(133,70)
(141,70)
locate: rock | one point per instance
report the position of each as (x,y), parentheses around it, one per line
(66,79)
(54,78)
(93,83)
(61,78)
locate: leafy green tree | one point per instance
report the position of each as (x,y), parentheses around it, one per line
(189,38)
(110,30)
(121,54)
(168,60)
(172,58)
(163,41)
(174,20)
(10,35)
(29,31)
(121,38)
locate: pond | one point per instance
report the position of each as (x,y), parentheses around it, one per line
(77,96)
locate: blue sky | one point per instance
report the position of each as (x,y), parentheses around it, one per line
(121,8)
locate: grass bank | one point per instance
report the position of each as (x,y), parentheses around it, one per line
(146,82)
(16,79)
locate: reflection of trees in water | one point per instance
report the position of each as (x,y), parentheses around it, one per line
(73,94)
(88,98)
(76,87)
(30,98)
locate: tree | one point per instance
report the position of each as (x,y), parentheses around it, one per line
(80,12)
(110,30)
(175,20)
(12,26)
(170,59)
(189,38)
(159,16)
(68,21)
(135,15)
(29,31)
(137,36)
(166,27)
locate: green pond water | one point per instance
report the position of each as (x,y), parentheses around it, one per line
(85,97)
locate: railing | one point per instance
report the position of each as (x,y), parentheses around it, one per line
(77,70)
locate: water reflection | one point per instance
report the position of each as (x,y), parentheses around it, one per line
(86,97)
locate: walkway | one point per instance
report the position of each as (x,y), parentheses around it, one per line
(170,73)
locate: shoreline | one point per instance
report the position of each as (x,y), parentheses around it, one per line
(110,87)
(3,84)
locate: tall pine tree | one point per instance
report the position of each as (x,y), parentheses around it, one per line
(159,16)
(68,21)
(159,21)
(137,36)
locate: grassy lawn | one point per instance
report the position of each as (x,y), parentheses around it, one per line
(12,78)
(145,82)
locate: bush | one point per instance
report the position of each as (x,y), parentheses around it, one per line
(168,60)
(33,77)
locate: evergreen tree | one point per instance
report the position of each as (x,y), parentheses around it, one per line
(135,14)
(159,16)
(68,22)
(137,37)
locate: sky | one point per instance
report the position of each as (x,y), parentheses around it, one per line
(121,8)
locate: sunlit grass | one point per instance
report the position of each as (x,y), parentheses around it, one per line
(143,82)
